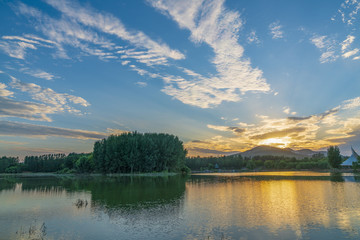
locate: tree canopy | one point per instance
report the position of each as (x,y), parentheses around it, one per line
(334,156)
(136,152)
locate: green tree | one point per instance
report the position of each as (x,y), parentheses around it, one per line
(334,156)
(269,164)
(85,164)
(136,152)
(282,164)
(250,164)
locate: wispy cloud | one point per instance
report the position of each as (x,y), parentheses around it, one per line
(16,49)
(59,101)
(143,72)
(141,84)
(349,11)
(287,111)
(38,73)
(107,23)
(276,30)
(64,32)
(345,45)
(236,130)
(10,107)
(327,47)
(17,46)
(8,128)
(253,38)
(4,92)
(350,53)
(113,131)
(211,23)
(347,42)
(25,109)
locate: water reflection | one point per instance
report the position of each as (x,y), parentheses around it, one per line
(114,192)
(285,205)
(100,203)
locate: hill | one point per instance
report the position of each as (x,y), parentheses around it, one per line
(274,151)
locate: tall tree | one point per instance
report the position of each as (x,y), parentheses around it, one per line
(334,156)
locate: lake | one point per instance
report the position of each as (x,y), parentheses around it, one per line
(272,205)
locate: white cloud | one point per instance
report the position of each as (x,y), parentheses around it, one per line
(64,32)
(17,46)
(351,103)
(38,73)
(60,101)
(327,48)
(275,30)
(350,53)
(253,38)
(16,49)
(286,110)
(4,92)
(328,56)
(26,110)
(211,23)
(143,72)
(141,84)
(109,24)
(145,57)
(235,130)
(347,42)
(349,11)
(218,128)
(319,41)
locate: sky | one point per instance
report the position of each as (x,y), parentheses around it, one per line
(222,75)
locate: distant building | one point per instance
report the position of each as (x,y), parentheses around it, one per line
(353,158)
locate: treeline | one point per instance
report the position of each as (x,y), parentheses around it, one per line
(9,164)
(56,163)
(61,163)
(125,153)
(317,161)
(136,152)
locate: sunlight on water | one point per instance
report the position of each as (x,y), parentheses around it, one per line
(285,205)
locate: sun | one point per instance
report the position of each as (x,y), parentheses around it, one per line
(276,142)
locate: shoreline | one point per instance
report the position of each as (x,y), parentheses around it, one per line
(277,170)
(38,174)
(165,174)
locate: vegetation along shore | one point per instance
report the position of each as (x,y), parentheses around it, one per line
(154,154)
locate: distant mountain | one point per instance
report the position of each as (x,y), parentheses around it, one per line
(274,151)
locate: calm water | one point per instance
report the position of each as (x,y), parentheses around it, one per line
(283,205)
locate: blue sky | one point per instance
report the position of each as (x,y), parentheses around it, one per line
(224,76)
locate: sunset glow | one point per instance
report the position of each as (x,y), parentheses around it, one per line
(276,142)
(217,74)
